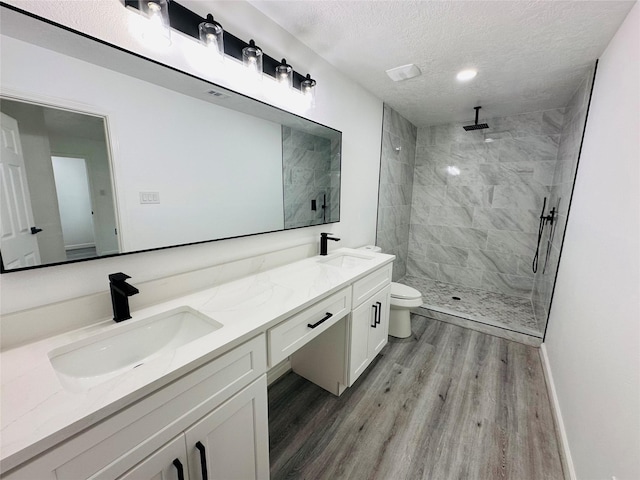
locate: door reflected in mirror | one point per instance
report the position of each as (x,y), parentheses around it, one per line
(58,202)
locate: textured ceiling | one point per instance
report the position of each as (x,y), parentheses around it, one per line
(530,55)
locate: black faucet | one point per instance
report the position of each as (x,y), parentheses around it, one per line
(120,293)
(323,242)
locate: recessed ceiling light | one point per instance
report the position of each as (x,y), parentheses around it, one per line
(404,72)
(465,75)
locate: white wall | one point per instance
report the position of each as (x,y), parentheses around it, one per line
(593,337)
(341,104)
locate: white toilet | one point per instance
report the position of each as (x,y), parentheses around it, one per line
(403,299)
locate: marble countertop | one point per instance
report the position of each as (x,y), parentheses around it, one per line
(38,412)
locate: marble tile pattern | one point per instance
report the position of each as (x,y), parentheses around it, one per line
(477,198)
(561,190)
(495,309)
(311,171)
(397,173)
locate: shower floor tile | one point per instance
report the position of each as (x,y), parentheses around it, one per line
(496,309)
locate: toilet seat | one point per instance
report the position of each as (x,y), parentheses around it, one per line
(404,292)
(403,296)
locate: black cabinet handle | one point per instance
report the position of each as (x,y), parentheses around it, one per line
(203,460)
(324,319)
(35,230)
(178,464)
(379,311)
(375,316)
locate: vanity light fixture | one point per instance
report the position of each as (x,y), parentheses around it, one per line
(170,14)
(466,75)
(157,29)
(284,74)
(252,59)
(211,36)
(308,88)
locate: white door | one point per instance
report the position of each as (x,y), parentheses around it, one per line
(74,202)
(18,244)
(232,442)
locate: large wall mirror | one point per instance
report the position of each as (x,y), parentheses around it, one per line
(104,152)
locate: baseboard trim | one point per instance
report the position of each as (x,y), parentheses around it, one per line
(561,433)
(278,370)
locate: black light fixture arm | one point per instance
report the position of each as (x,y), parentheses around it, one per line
(186,21)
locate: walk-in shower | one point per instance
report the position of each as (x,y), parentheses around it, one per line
(476,218)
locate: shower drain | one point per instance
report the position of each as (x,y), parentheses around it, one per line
(456,298)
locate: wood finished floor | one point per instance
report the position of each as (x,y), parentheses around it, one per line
(448,403)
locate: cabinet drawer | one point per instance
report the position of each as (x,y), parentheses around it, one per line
(113,446)
(367,286)
(295,332)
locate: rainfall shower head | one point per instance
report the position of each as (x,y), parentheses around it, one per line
(476,126)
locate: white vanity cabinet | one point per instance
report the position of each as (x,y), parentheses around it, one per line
(180,415)
(222,405)
(232,442)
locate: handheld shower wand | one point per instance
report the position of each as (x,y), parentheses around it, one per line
(544,219)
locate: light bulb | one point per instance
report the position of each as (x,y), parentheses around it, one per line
(211,36)
(157,30)
(252,59)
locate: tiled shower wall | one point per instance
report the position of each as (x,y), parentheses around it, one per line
(563,178)
(311,169)
(396,183)
(476,203)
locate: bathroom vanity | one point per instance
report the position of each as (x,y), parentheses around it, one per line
(89,404)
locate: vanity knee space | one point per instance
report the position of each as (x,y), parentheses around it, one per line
(335,359)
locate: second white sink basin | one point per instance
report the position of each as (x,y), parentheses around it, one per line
(96,359)
(346,260)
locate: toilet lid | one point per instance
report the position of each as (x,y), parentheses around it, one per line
(404,291)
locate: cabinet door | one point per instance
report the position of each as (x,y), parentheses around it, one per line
(362,320)
(167,463)
(368,333)
(378,336)
(232,442)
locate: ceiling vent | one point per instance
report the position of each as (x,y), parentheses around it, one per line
(404,72)
(215,93)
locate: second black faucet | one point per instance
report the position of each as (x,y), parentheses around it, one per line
(323,242)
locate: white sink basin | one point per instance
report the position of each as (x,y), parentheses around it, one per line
(96,359)
(346,260)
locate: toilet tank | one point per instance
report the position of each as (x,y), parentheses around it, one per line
(371,248)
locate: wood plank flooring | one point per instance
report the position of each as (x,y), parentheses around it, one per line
(448,403)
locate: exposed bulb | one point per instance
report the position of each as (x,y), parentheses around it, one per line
(212,37)
(157,30)
(252,59)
